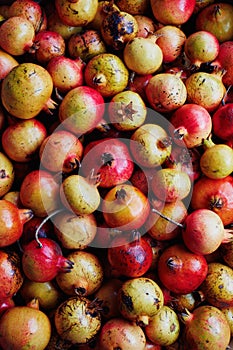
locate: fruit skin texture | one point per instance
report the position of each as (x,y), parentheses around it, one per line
(172,12)
(7,62)
(7,174)
(223,121)
(118,333)
(33,329)
(207,329)
(22,83)
(218,285)
(180,270)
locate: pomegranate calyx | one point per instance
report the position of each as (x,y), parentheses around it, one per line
(142,321)
(93,179)
(64,264)
(179,133)
(174,263)
(216,203)
(228,236)
(34,303)
(99,79)
(121,194)
(25,215)
(50,104)
(126,111)
(186,316)
(107,159)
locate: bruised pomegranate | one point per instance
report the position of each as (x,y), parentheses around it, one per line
(33,329)
(42,262)
(21,83)
(206,328)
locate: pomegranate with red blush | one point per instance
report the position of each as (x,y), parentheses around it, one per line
(216,195)
(76,105)
(42,262)
(222,121)
(66,73)
(29,228)
(132,257)
(17,36)
(172,12)
(138,83)
(146,25)
(190,124)
(11,275)
(47,44)
(31,10)
(203,232)
(7,62)
(180,270)
(225,61)
(110,160)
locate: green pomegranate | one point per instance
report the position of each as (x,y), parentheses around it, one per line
(26,91)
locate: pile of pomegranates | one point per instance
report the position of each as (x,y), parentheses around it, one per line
(116,175)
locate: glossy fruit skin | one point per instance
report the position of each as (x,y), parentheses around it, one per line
(110,159)
(222,122)
(33,328)
(225,60)
(191,123)
(11,41)
(76,104)
(43,263)
(7,174)
(130,258)
(217,19)
(20,84)
(123,334)
(107,74)
(129,211)
(22,140)
(11,274)
(7,62)
(12,221)
(180,270)
(207,329)
(172,12)
(218,285)
(216,195)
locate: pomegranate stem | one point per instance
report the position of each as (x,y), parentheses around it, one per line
(167,218)
(55,212)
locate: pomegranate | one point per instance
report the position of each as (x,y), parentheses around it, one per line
(180,270)
(33,328)
(77,320)
(172,12)
(225,61)
(138,83)
(66,73)
(206,327)
(190,124)
(85,45)
(21,141)
(150,145)
(12,221)
(30,10)
(216,195)
(171,40)
(143,55)
(80,194)
(7,174)
(166,92)
(47,44)
(110,160)
(218,285)
(222,122)
(39,191)
(64,148)
(75,106)
(17,35)
(103,8)
(127,110)
(86,275)
(75,12)
(134,7)
(204,231)
(146,25)
(140,299)
(201,47)
(164,328)
(119,333)
(217,19)
(39,226)
(42,263)
(75,231)
(125,207)
(22,82)
(131,258)
(206,89)
(11,275)
(7,62)
(107,74)
(118,28)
